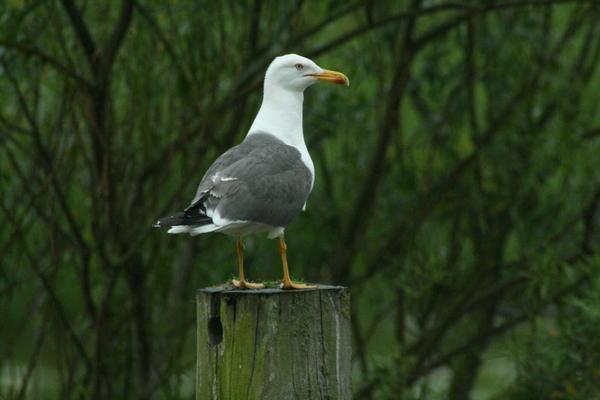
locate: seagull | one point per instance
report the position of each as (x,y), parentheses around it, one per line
(260,185)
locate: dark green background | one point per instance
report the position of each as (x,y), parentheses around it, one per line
(457,189)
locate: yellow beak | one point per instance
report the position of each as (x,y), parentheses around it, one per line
(333,77)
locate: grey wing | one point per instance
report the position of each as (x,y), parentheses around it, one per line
(269,184)
(225,160)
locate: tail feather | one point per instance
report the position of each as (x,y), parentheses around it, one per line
(182,218)
(179,229)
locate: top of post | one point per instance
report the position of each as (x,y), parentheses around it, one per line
(230,289)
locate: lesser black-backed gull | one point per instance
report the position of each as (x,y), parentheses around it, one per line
(261,184)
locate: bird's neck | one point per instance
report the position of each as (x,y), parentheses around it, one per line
(281,115)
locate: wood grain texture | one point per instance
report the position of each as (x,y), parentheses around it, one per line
(273,344)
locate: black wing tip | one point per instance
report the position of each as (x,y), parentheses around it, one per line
(181,219)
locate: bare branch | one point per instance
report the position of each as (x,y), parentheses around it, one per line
(468,8)
(60,67)
(437,192)
(46,159)
(116,38)
(33,359)
(82,33)
(47,285)
(484,336)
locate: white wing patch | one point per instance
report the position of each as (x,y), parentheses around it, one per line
(216,178)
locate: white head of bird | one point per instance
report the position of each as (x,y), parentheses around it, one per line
(296,73)
(281,111)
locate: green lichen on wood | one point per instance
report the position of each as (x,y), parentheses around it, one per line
(273,344)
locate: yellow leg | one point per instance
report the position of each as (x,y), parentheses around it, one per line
(243,283)
(287,282)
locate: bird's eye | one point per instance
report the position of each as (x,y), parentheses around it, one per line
(299,67)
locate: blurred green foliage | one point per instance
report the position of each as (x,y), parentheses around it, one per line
(457,189)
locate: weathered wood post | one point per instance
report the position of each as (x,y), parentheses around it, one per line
(272,344)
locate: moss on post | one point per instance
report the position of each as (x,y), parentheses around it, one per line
(271,344)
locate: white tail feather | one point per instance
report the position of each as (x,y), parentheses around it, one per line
(179,229)
(203,229)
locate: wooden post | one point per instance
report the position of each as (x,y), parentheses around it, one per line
(273,344)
